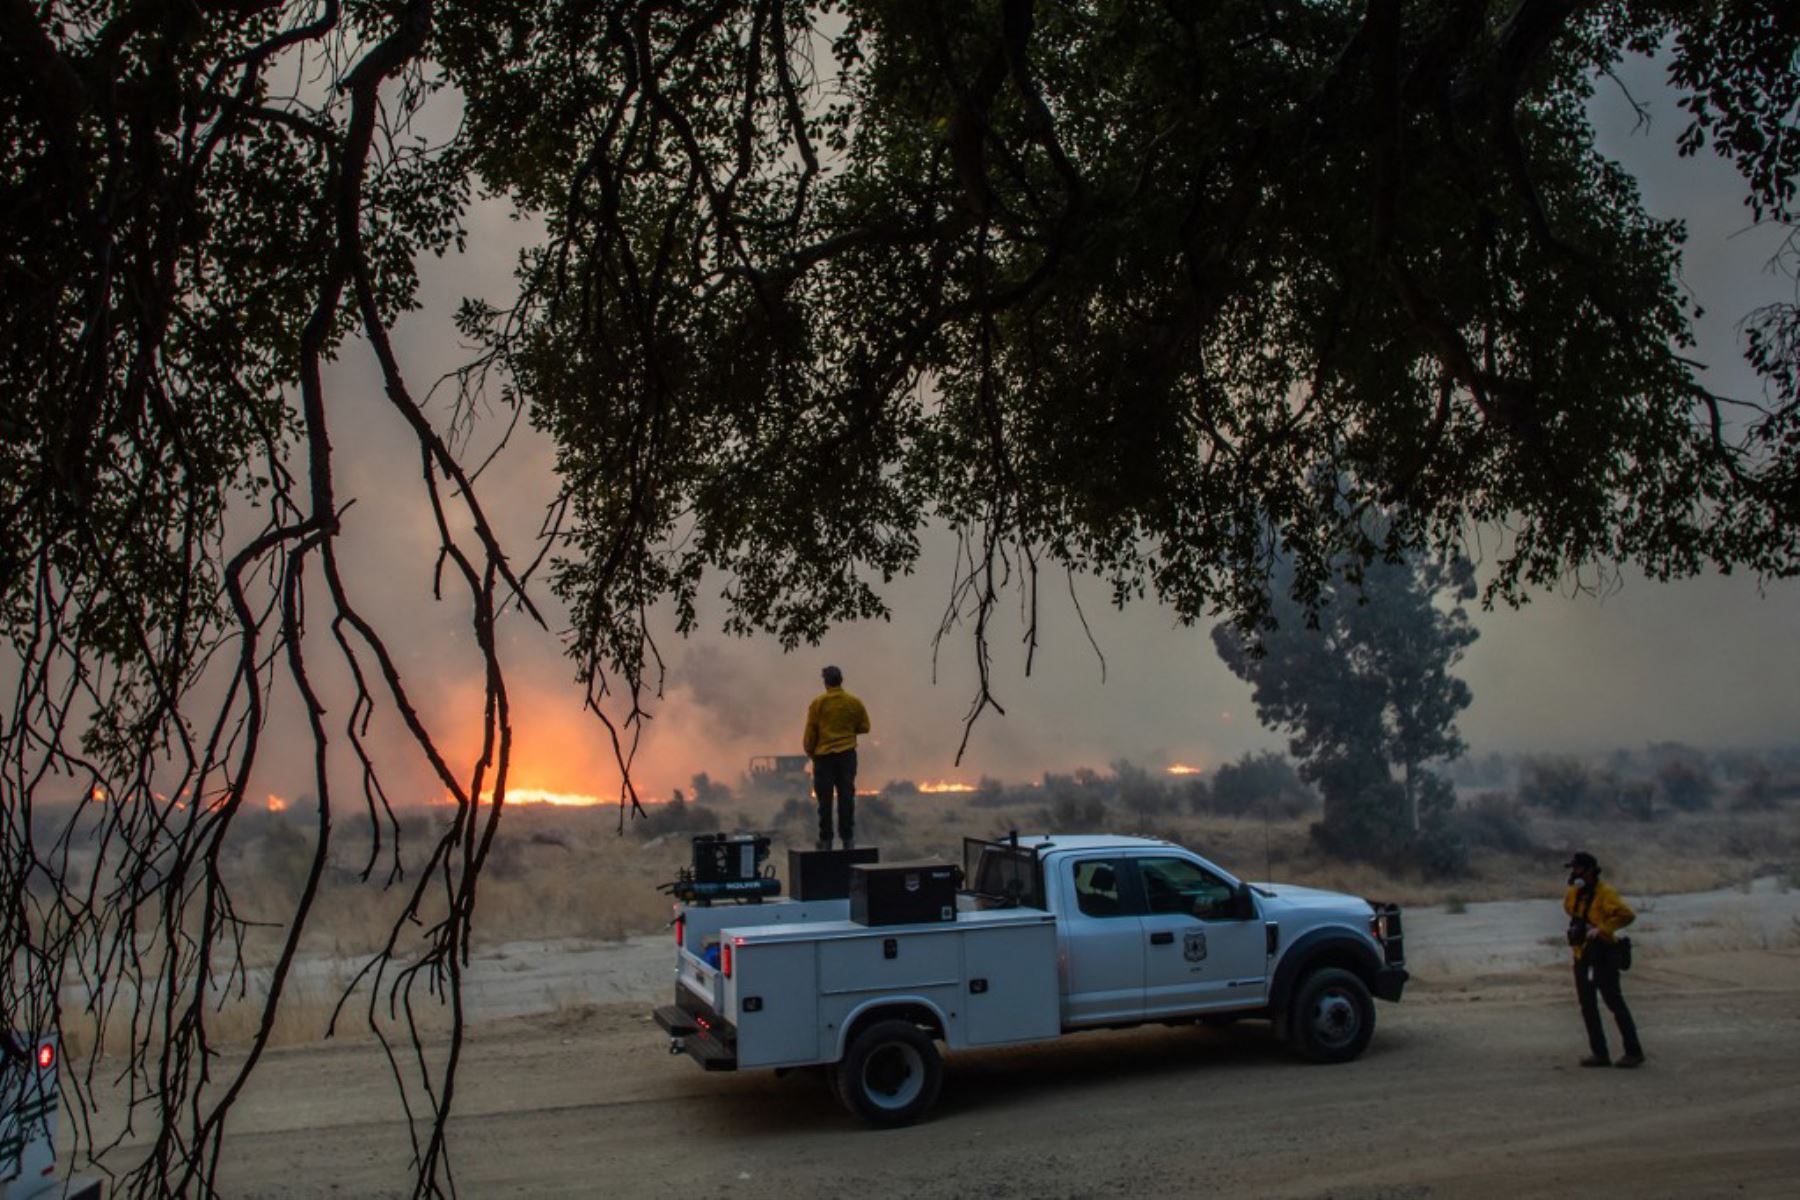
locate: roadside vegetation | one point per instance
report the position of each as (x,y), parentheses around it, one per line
(1665,818)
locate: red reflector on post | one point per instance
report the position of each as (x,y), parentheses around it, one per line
(46,1057)
(725,958)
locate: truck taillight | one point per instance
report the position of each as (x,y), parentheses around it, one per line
(46,1057)
(680,931)
(725,958)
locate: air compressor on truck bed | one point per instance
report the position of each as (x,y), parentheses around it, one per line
(1045,937)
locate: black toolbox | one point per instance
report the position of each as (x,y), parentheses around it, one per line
(903,893)
(825,874)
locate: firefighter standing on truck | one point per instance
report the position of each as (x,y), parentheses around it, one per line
(1596,914)
(832,722)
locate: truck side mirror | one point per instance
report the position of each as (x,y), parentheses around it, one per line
(1243,907)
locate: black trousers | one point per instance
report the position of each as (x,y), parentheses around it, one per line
(1597,974)
(835,774)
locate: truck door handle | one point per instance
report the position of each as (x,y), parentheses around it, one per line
(1165,938)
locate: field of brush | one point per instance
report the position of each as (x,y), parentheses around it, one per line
(570,875)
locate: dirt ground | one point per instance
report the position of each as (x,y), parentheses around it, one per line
(1470,1089)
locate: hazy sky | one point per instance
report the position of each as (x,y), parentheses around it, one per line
(1712,661)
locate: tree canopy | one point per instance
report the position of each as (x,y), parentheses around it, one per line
(1142,290)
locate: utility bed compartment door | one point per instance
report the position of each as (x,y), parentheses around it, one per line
(888,962)
(777,1004)
(1012,990)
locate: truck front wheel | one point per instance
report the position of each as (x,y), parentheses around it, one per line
(1332,1016)
(890,1075)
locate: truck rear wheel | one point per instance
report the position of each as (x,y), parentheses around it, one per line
(1332,1016)
(890,1075)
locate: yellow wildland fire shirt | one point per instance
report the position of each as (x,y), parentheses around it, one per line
(1608,912)
(832,722)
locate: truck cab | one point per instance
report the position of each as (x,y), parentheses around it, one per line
(1148,930)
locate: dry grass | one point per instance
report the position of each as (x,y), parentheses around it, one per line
(559,873)
(302,1018)
(567,874)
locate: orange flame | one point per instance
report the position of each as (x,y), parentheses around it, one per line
(554,799)
(1184,769)
(547,798)
(939,786)
(275,803)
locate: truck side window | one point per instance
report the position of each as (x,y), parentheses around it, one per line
(1097,888)
(1175,885)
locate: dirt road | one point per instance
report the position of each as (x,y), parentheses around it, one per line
(1470,1089)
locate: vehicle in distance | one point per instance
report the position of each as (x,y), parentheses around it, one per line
(1049,936)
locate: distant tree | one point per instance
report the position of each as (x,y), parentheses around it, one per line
(1364,689)
(1686,785)
(1260,783)
(1138,791)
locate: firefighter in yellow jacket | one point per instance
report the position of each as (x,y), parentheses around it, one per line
(1596,914)
(832,722)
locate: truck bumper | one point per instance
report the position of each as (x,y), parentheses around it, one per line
(703,1037)
(1389,982)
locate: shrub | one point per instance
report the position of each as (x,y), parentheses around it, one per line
(1265,784)
(1757,793)
(989,793)
(1073,812)
(708,791)
(677,816)
(1562,785)
(1138,792)
(1686,786)
(1494,821)
(1636,798)
(876,818)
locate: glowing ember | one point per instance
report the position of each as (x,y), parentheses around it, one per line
(938,786)
(275,803)
(1184,769)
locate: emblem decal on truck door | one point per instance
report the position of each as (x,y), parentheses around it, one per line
(1193,945)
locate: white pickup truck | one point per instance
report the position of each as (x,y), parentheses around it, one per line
(1051,936)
